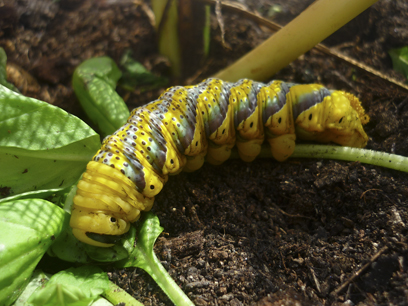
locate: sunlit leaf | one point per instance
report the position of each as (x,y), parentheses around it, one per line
(41,146)
(27,229)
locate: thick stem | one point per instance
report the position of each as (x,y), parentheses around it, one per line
(166,25)
(313,25)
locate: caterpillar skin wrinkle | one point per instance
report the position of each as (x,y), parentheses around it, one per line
(186,125)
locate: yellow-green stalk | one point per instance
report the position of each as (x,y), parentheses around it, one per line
(168,33)
(376,158)
(313,25)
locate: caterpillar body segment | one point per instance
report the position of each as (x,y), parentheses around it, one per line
(187,125)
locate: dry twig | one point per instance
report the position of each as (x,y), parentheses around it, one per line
(359,272)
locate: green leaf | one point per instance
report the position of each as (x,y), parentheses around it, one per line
(3,71)
(38,279)
(39,194)
(143,254)
(400,60)
(57,294)
(41,146)
(74,286)
(94,83)
(136,75)
(143,257)
(68,248)
(27,228)
(92,280)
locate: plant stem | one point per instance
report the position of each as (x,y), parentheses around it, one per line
(318,21)
(383,159)
(387,160)
(116,295)
(166,25)
(164,280)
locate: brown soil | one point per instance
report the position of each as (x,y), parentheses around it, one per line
(302,232)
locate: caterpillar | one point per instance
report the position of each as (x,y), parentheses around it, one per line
(187,125)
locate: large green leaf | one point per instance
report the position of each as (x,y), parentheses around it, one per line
(27,228)
(41,146)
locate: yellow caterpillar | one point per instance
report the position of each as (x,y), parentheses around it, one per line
(186,125)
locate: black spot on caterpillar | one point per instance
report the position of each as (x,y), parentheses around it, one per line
(186,125)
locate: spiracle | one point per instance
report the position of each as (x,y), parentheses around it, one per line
(187,125)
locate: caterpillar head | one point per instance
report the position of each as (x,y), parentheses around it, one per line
(104,205)
(98,228)
(339,119)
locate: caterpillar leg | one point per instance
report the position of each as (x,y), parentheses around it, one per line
(194,162)
(249,150)
(216,155)
(250,136)
(282,146)
(279,125)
